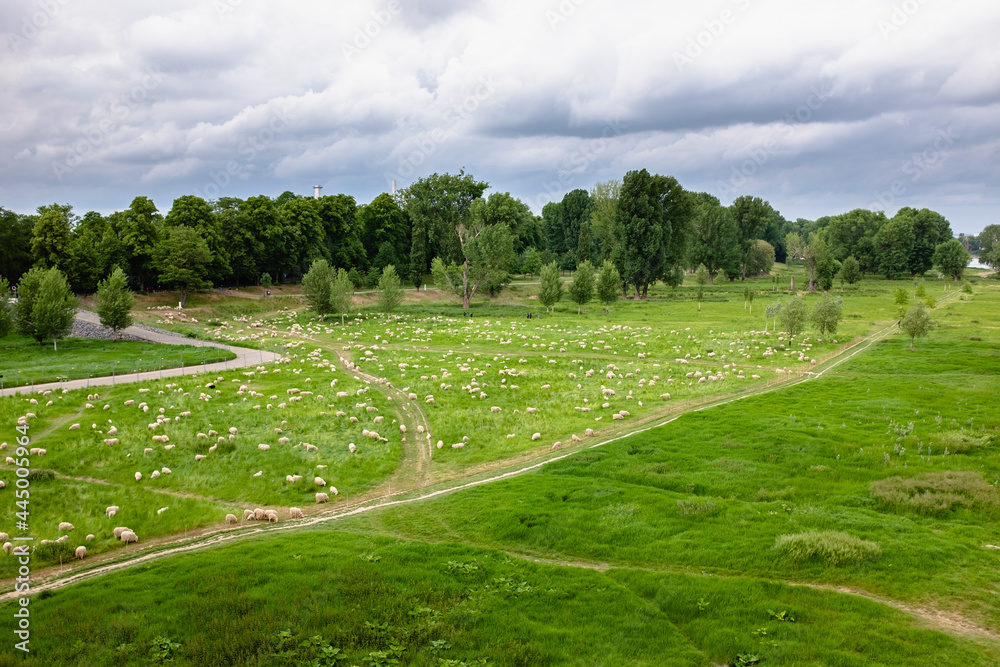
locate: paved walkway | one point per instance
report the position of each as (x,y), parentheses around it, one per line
(244,357)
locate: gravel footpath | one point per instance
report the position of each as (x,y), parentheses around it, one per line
(83,329)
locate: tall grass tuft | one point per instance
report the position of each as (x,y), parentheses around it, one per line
(829,546)
(937,493)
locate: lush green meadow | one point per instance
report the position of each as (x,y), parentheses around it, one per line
(347,599)
(23,361)
(692,543)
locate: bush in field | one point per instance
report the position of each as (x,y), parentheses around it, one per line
(850,270)
(793,316)
(316,285)
(581,290)
(936,493)
(390,290)
(916,323)
(115,301)
(609,285)
(827,314)
(829,546)
(552,289)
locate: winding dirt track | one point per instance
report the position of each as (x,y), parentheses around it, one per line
(414,484)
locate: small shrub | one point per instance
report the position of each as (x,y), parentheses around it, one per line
(966,288)
(692,508)
(163,650)
(829,546)
(962,441)
(936,493)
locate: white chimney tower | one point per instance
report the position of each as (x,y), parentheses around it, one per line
(317,191)
(394,187)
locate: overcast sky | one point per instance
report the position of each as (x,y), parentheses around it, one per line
(818,106)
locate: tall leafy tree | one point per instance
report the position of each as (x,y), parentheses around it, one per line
(713,242)
(639,231)
(551,289)
(609,283)
(390,290)
(553,228)
(850,271)
(437,205)
(317,286)
(826,315)
(581,290)
(6,311)
(342,240)
(894,246)
(138,232)
(45,305)
(853,234)
(502,208)
(751,215)
(341,294)
(384,221)
(15,245)
(304,234)
(487,253)
(89,265)
(989,246)
(115,301)
(951,258)
(195,213)
(242,240)
(930,229)
(51,238)
(576,210)
(604,197)
(183,260)
(677,220)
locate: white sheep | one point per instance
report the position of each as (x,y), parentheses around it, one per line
(155,474)
(199,457)
(63,540)
(129,536)
(536,436)
(74,427)
(90,537)
(138,476)
(258,473)
(402,428)
(248,515)
(162,510)
(111,509)
(118,531)
(211,450)
(319,481)
(231,518)
(258,514)
(271,515)
(7,547)
(165,471)
(295,513)
(81,552)
(420,429)
(262,447)
(352,448)
(310,448)
(233,430)
(322,498)
(4,537)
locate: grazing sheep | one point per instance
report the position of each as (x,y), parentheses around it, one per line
(258,514)
(213,433)
(402,428)
(63,540)
(128,402)
(233,430)
(420,429)
(310,448)
(7,547)
(119,530)
(165,471)
(162,510)
(319,481)
(4,537)
(322,498)
(536,436)
(258,473)
(147,450)
(168,447)
(333,490)
(379,419)
(128,536)
(248,515)
(263,447)
(74,427)
(295,513)
(617,417)
(81,552)
(90,537)
(155,474)
(138,476)
(576,438)
(440,444)
(212,449)
(296,478)
(352,447)
(112,508)
(589,431)
(271,515)
(199,457)
(201,435)
(231,518)
(530,411)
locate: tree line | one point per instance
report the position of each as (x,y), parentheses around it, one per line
(646,225)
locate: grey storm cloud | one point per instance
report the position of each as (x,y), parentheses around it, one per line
(819,107)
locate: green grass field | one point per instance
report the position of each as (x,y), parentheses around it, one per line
(862,502)
(24,362)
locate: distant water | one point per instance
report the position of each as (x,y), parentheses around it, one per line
(976,264)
